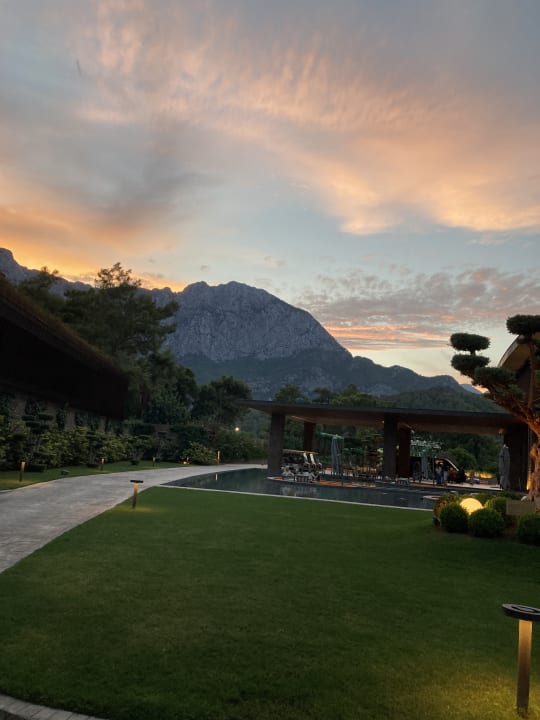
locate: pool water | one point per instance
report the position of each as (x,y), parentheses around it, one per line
(256,481)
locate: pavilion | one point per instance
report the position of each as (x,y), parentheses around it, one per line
(397,425)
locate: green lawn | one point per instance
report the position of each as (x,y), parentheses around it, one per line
(10,479)
(202,605)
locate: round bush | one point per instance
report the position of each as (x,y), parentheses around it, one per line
(482,497)
(486,523)
(443,501)
(498,504)
(529,529)
(454,518)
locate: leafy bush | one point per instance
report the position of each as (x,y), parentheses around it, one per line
(529,529)
(498,504)
(236,446)
(454,518)
(200,454)
(113,447)
(486,523)
(52,448)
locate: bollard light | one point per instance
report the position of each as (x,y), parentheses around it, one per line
(135,491)
(101,464)
(526,616)
(21,471)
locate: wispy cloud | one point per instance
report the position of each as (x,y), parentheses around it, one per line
(364,311)
(182,137)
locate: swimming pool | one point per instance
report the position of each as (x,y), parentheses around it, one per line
(256,481)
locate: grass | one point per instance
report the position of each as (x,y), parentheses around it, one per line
(214,606)
(9,479)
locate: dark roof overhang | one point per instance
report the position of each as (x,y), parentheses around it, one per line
(418,420)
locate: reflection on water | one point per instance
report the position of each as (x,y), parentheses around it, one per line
(256,481)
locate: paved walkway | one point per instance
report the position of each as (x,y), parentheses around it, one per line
(32,516)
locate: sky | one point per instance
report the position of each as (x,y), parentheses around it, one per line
(375,162)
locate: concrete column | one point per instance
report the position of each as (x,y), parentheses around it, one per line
(404,453)
(275,443)
(390,440)
(309,435)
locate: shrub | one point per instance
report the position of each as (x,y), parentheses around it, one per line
(482,497)
(486,523)
(443,501)
(529,529)
(113,447)
(454,518)
(498,504)
(36,467)
(236,446)
(200,454)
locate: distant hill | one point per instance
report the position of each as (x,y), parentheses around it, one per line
(235,329)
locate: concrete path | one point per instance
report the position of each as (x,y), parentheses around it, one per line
(32,516)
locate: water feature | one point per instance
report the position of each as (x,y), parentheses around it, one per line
(257,482)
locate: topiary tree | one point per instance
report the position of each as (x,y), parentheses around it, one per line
(501,383)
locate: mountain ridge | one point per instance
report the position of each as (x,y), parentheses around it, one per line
(236,329)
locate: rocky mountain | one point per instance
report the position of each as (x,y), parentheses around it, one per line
(235,329)
(238,330)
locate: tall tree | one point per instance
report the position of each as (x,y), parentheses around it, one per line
(118,317)
(354,397)
(122,320)
(217,400)
(290,394)
(502,384)
(39,288)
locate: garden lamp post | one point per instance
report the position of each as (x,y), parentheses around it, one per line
(526,616)
(135,491)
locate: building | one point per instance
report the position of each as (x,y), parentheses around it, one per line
(42,359)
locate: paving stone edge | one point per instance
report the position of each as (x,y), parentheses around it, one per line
(13,709)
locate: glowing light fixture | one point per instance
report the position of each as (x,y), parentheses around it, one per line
(21,471)
(135,491)
(526,616)
(471,505)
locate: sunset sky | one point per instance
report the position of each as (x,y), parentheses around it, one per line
(375,162)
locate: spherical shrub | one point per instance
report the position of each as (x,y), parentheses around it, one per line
(529,529)
(482,497)
(454,518)
(443,501)
(486,523)
(498,504)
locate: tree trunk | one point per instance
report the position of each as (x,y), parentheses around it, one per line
(533,480)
